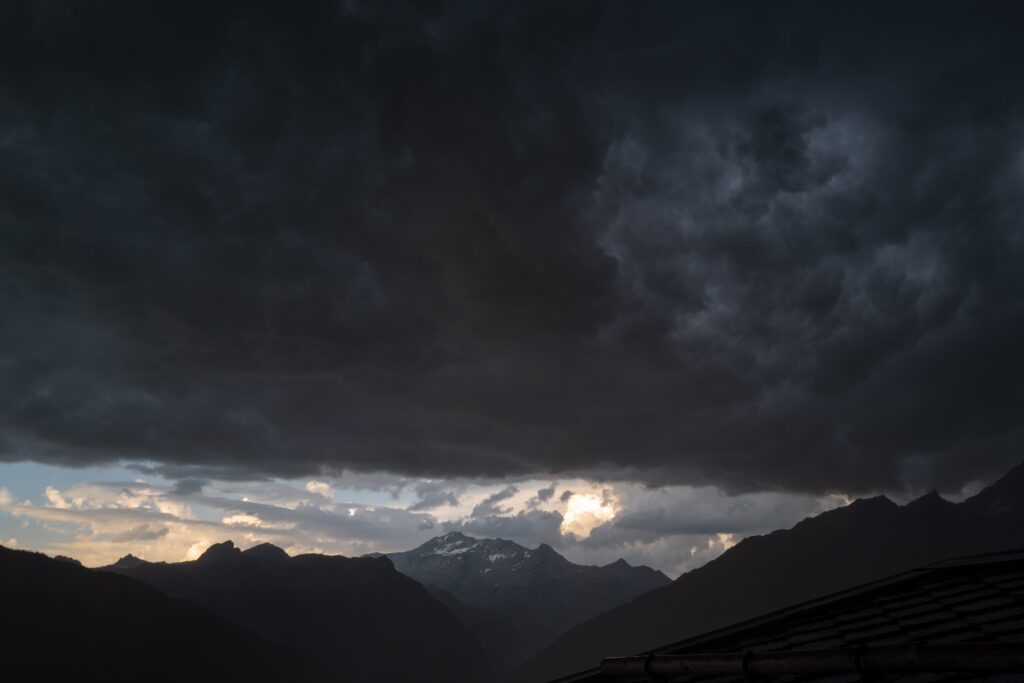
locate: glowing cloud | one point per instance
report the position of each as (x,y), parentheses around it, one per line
(320,488)
(242,519)
(584,513)
(197,549)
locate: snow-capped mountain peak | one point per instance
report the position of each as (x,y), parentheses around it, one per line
(452,543)
(490,570)
(491,550)
(535,592)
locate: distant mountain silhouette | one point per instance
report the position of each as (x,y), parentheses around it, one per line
(866,540)
(60,620)
(518,599)
(356,616)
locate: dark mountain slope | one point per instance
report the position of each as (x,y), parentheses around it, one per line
(518,599)
(62,621)
(357,616)
(864,541)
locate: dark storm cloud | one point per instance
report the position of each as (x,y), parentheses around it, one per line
(491,506)
(759,246)
(186,487)
(543,495)
(547,492)
(528,527)
(434,494)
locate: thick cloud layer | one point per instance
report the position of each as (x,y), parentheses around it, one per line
(764,246)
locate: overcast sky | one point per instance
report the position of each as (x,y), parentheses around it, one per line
(757,256)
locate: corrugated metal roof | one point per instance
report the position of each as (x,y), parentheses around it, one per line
(971,599)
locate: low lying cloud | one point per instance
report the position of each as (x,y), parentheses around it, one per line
(99,522)
(142,532)
(708,510)
(673,528)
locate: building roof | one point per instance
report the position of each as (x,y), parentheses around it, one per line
(964,600)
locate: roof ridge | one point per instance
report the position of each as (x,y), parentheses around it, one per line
(1008,556)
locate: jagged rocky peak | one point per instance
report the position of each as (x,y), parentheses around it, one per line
(929,501)
(219,551)
(456,543)
(456,546)
(451,539)
(129,561)
(490,557)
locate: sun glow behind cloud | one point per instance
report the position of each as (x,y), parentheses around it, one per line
(584,512)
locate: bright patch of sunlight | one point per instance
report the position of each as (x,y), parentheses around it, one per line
(584,513)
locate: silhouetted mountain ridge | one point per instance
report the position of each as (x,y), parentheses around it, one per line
(267,551)
(63,621)
(352,615)
(930,501)
(867,540)
(1004,496)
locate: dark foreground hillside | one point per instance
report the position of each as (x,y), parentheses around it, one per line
(61,621)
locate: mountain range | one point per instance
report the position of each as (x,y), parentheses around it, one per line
(517,599)
(61,621)
(864,541)
(355,617)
